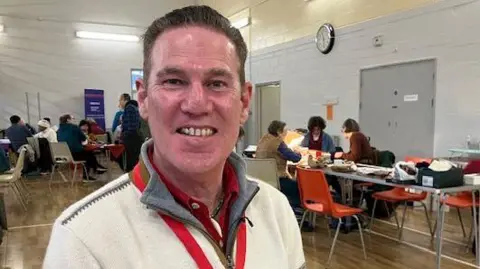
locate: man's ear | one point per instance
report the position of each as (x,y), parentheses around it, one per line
(246,98)
(142,98)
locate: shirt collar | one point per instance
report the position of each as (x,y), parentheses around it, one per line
(230,184)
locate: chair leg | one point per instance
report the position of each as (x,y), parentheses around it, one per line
(400,232)
(370,224)
(86,170)
(361,198)
(461,222)
(74,174)
(470,236)
(328,227)
(394,215)
(18,196)
(432,231)
(51,175)
(361,235)
(332,248)
(303,218)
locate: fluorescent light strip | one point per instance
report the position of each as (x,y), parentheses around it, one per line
(239,24)
(106,36)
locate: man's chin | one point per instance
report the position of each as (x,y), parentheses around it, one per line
(199,164)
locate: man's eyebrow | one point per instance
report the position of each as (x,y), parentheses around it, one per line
(219,72)
(170,70)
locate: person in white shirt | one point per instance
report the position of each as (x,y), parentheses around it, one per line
(188,203)
(44,131)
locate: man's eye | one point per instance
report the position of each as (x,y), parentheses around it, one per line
(174,81)
(216,84)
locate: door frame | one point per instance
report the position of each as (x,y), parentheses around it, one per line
(396,63)
(257,105)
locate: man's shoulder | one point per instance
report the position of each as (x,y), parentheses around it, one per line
(98,203)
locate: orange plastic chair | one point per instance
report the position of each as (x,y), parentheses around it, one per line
(315,196)
(397,195)
(461,201)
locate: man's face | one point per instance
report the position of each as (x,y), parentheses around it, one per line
(195,102)
(121,102)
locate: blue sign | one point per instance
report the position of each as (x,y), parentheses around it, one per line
(95,106)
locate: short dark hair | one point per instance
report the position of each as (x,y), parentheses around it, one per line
(14,119)
(203,16)
(85,122)
(126,97)
(276,127)
(47,119)
(316,121)
(350,126)
(64,118)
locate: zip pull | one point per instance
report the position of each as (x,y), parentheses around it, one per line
(248,221)
(230,264)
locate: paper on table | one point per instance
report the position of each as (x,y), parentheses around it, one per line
(251,148)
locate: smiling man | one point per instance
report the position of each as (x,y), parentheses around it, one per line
(188,203)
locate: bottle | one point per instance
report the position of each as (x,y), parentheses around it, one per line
(468,142)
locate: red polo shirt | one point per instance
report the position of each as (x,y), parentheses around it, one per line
(199,209)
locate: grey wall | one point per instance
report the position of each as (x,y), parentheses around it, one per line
(445,31)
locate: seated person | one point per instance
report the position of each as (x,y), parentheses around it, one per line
(45,131)
(317,138)
(271,146)
(360,149)
(86,128)
(76,139)
(17,132)
(95,129)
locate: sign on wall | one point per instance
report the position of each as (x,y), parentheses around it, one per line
(95,106)
(134,75)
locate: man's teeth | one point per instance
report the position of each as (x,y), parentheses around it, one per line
(197,131)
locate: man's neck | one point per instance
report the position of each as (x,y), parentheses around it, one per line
(206,187)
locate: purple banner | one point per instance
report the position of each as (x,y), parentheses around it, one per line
(95,106)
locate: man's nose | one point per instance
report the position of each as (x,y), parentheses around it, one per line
(196,100)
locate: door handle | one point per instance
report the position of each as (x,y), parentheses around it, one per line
(389,124)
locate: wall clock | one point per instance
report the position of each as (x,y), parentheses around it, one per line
(325,38)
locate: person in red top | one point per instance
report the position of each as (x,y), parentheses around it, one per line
(360,149)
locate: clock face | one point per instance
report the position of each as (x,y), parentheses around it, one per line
(325,38)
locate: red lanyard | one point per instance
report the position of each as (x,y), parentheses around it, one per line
(187,238)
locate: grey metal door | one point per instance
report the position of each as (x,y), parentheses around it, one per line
(397,107)
(268,106)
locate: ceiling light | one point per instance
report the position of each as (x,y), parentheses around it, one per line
(239,24)
(2,27)
(106,36)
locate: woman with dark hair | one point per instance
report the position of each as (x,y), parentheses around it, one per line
(360,149)
(87,130)
(272,146)
(316,138)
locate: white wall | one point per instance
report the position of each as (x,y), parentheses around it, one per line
(445,31)
(39,53)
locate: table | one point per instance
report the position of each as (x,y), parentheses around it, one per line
(465,151)
(441,193)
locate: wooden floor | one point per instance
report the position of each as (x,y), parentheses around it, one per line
(25,243)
